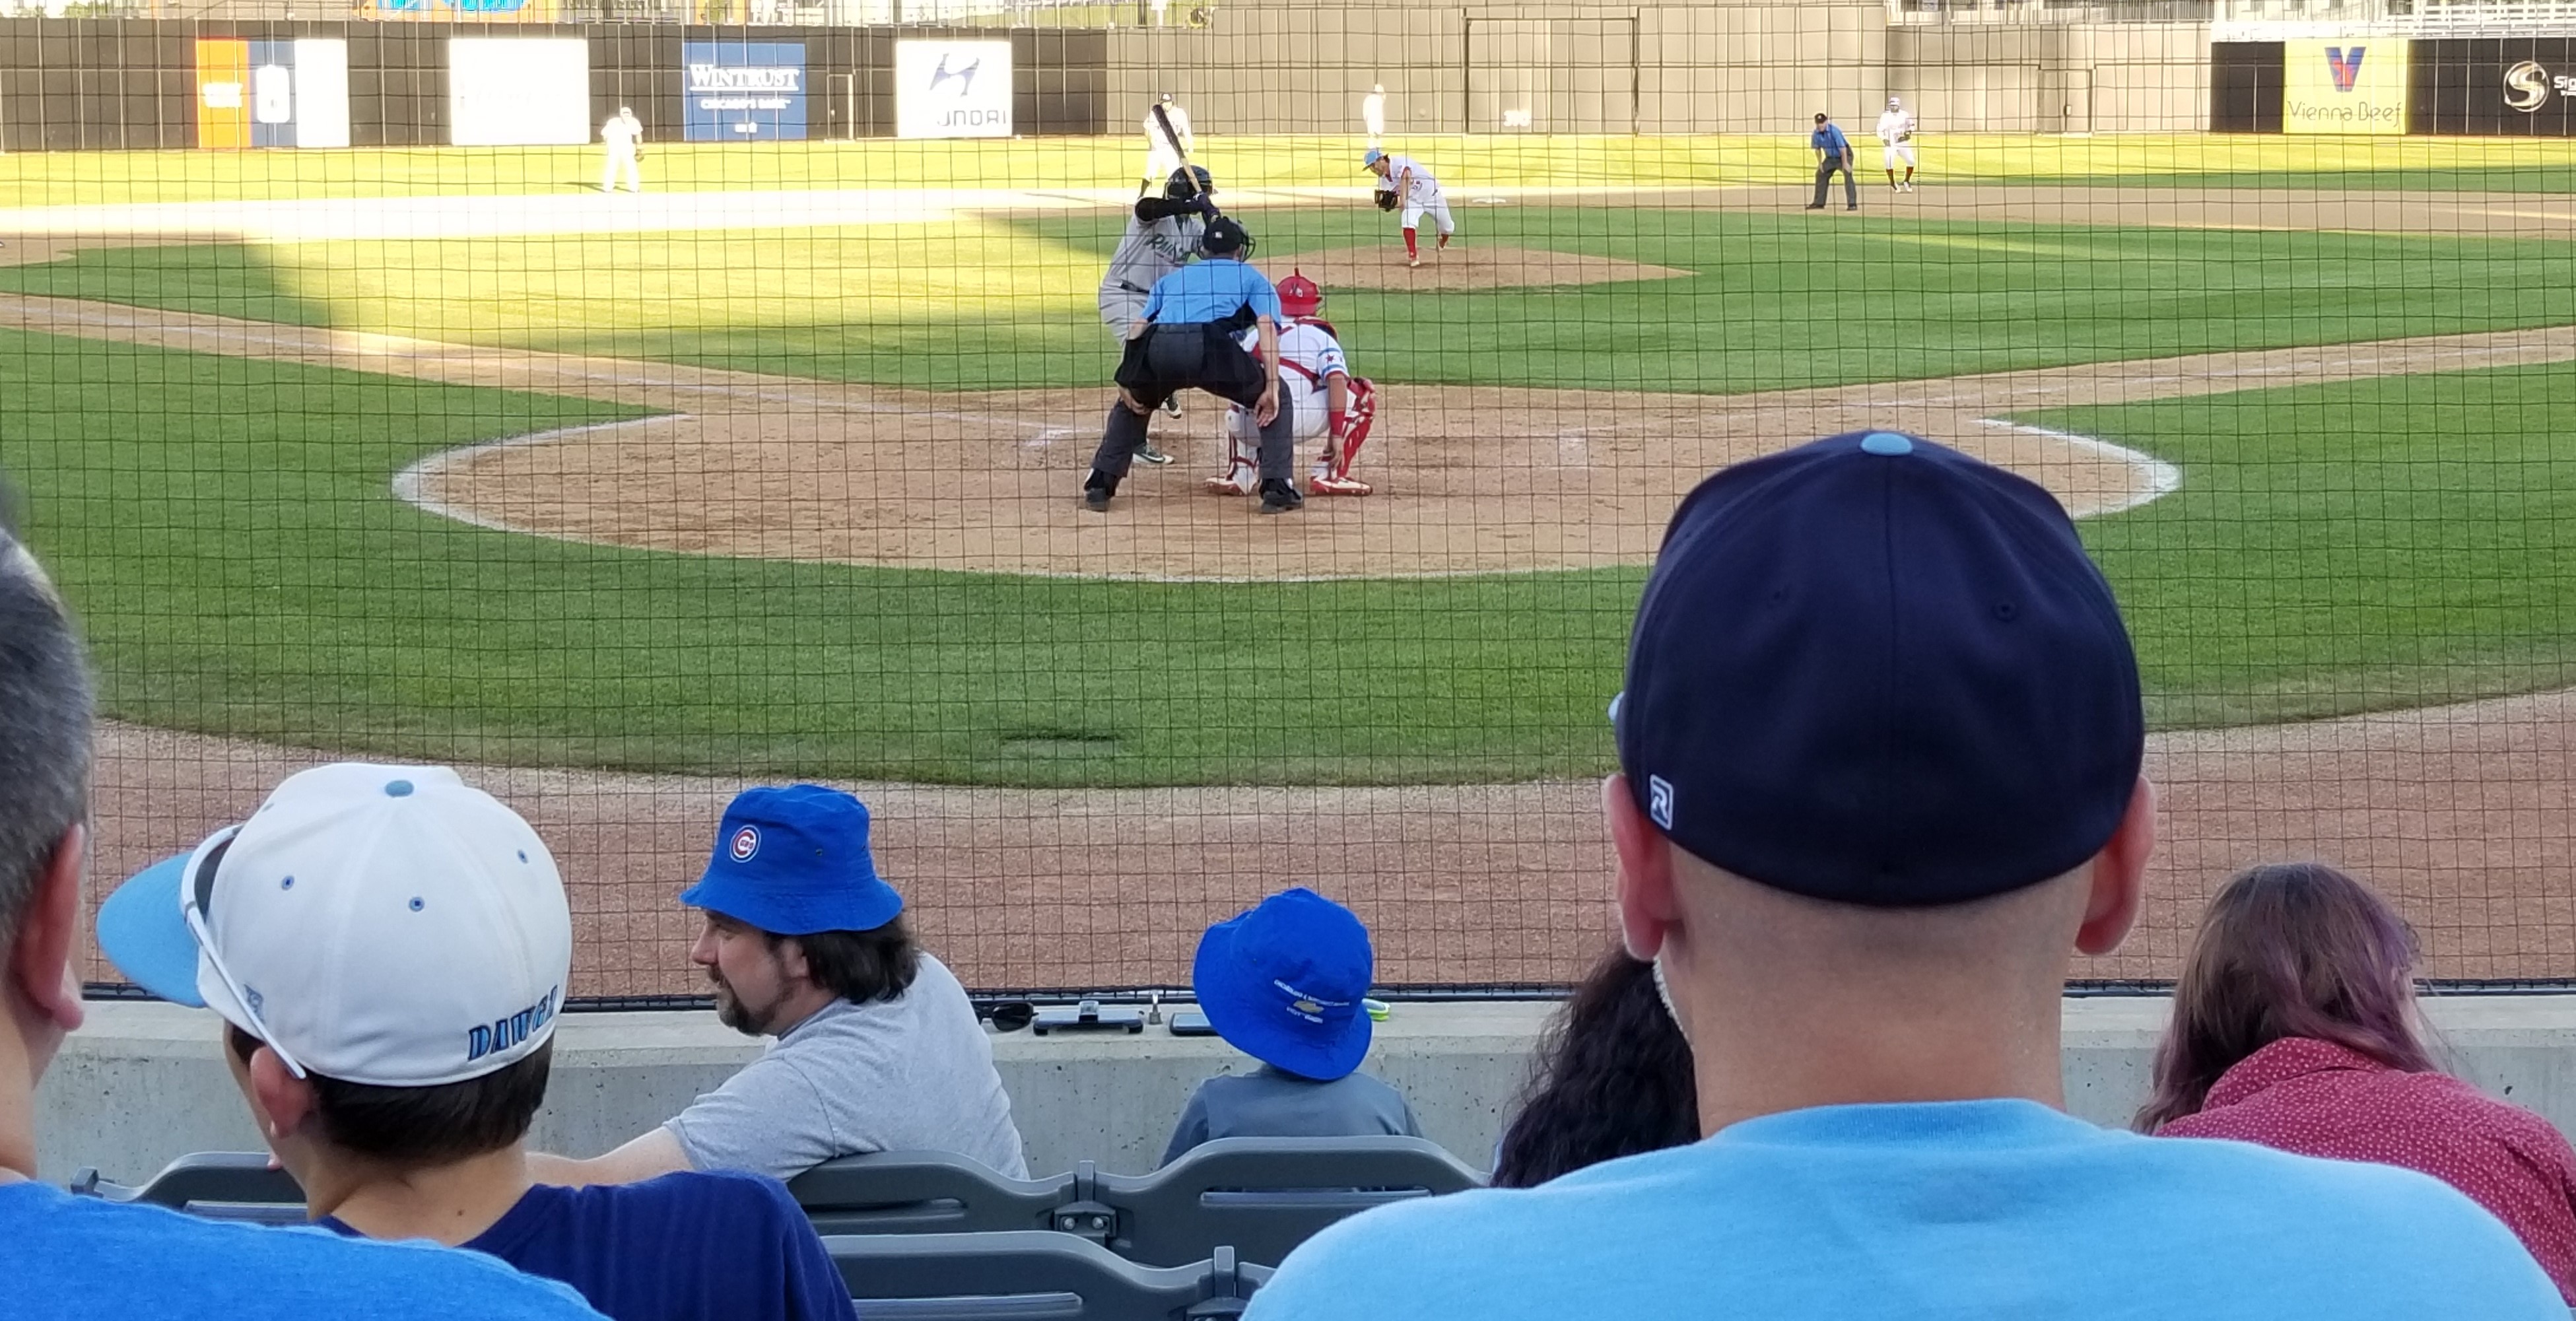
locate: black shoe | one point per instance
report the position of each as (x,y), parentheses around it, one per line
(1173,405)
(1146,453)
(1815,206)
(1097,490)
(1278,497)
(1853,207)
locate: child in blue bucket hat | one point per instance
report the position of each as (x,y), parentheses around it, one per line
(1284,984)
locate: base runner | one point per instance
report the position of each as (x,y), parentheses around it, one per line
(1324,398)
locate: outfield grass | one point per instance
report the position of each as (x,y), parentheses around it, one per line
(1773,300)
(226,530)
(34,179)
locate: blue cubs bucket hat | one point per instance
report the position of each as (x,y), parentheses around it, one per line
(1875,670)
(1283,984)
(793,861)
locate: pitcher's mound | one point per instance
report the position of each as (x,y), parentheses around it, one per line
(1463,266)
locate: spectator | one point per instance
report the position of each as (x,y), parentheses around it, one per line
(2294,1026)
(1613,1080)
(388,949)
(1283,984)
(75,1257)
(878,1048)
(1880,753)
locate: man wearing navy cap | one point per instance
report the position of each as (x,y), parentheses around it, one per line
(1880,755)
(877,1048)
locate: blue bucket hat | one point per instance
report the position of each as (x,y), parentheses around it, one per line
(794,861)
(1283,984)
(1877,671)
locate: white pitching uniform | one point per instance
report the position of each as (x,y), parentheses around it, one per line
(1309,357)
(1160,158)
(1896,137)
(1421,192)
(620,135)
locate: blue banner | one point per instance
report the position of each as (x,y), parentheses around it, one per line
(742,91)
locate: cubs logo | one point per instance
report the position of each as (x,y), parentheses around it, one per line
(746,843)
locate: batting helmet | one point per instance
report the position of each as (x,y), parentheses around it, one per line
(1299,296)
(1187,182)
(1226,237)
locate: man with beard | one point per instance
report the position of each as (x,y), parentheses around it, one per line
(877,1047)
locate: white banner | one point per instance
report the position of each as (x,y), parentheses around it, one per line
(952,89)
(321,92)
(518,91)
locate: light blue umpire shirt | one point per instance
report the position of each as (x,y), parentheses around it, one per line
(1929,1212)
(1210,290)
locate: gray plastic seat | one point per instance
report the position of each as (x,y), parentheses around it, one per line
(1025,1275)
(926,1192)
(218,1185)
(1264,1196)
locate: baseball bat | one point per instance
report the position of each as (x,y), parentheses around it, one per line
(1163,120)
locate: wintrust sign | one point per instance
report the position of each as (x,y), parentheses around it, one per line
(952,89)
(742,91)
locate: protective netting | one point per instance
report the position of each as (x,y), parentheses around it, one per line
(370,399)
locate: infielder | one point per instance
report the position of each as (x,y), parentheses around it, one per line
(1403,181)
(1162,154)
(623,135)
(1318,389)
(1184,340)
(1896,139)
(1162,236)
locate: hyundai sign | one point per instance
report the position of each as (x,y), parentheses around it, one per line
(736,91)
(952,89)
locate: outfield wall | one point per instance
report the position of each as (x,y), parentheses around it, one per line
(144,1083)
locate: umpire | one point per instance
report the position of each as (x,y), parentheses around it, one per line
(1186,339)
(1833,152)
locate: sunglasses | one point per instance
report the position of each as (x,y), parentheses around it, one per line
(196,898)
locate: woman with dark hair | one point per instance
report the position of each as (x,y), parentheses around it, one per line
(2294,1026)
(1613,1079)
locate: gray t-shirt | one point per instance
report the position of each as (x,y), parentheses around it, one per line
(914,1073)
(1268,1103)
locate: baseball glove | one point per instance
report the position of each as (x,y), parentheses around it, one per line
(1386,199)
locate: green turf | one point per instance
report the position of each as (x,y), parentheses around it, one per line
(2385,543)
(2503,178)
(1772,300)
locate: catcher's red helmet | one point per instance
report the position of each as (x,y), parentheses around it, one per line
(1299,296)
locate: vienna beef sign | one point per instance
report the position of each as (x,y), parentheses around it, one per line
(952,89)
(2344,86)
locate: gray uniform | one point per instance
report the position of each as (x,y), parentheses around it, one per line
(1148,251)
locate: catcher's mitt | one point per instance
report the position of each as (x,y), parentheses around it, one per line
(1386,199)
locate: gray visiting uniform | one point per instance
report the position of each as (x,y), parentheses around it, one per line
(1269,1103)
(1150,250)
(914,1073)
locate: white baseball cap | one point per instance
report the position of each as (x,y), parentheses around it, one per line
(386,925)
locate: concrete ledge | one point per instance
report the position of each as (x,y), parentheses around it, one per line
(145,1083)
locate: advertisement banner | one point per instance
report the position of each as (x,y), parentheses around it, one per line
(952,89)
(2496,87)
(737,91)
(223,94)
(518,91)
(2350,86)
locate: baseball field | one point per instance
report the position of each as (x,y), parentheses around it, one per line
(626,501)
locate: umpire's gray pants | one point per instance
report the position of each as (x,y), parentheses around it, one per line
(1825,182)
(1125,434)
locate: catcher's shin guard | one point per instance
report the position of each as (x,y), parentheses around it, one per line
(1333,476)
(1242,462)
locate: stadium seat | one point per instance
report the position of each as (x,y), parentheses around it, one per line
(1264,1196)
(1020,1275)
(219,1185)
(933,1192)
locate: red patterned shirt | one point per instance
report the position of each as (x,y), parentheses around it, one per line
(2320,1099)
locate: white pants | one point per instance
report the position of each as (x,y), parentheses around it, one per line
(621,158)
(1438,208)
(1160,161)
(1894,150)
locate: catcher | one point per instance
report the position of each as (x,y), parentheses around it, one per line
(1896,141)
(1320,393)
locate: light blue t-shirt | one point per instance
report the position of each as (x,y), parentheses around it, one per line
(66,1258)
(1931,1212)
(1210,290)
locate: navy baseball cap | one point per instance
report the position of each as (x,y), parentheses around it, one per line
(1877,671)
(793,861)
(1283,984)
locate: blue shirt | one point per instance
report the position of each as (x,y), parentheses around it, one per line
(1929,1212)
(1210,290)
(1272,1103)
(681,1246)
(1830,139)
(65,1257)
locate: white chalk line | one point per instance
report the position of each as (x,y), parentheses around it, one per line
(2163,478)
